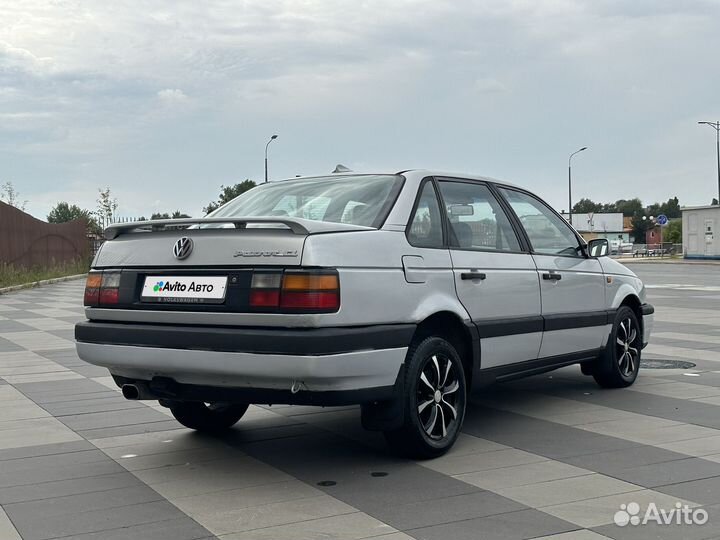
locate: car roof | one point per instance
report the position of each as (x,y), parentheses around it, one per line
(455,174)
(418,172)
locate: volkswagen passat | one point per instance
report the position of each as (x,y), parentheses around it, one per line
(399,292)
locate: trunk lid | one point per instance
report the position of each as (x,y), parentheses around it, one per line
(230,242)
(156,266)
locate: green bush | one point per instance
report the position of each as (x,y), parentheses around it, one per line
(14,275)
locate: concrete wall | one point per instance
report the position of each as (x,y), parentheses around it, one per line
(701,232)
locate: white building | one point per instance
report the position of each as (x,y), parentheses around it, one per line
(600,225)
(701,232)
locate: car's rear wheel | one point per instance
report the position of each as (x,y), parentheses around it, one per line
(619,364)
(434,397)
(208,417)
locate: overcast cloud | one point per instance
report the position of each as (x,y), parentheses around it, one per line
(164,101)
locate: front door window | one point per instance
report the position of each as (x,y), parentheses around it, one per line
(549,234)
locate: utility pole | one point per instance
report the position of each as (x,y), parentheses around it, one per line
(570,183)
(266,152)
(716,127)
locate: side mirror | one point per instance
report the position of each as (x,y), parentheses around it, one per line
(599,247)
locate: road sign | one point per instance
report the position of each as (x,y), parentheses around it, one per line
(662,220)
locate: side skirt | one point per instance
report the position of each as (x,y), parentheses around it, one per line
(534,367)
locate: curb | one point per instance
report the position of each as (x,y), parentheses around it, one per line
(692,262)
(39,283)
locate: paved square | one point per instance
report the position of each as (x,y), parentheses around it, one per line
(553,456)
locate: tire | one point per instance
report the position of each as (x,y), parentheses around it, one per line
(619,364)
(433,401)
(587,368)
(209,418)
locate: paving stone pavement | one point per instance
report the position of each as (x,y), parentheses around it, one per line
(551,457)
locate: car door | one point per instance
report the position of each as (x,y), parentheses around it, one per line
(572,285)
(496,280)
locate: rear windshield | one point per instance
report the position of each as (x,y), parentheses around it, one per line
(358,199)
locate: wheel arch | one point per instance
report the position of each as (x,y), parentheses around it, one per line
(632,301)
(461,334)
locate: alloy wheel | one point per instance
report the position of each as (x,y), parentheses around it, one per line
(628,354)
(438,396)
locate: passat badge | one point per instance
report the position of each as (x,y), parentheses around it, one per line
(266,253)
(183,248)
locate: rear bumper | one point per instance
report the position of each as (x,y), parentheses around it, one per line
(278,341)
(324,366)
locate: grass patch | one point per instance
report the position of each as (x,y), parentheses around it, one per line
(13,275)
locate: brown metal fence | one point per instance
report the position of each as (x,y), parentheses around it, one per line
(29,242)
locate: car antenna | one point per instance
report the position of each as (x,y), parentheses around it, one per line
(340,168)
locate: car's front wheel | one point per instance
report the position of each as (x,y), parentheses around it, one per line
(208,417)
(434,397)
(619,364)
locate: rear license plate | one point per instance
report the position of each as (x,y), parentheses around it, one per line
(184,289)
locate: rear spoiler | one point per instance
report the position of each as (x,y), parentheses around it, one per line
(296,225)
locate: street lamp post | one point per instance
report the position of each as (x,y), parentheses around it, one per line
(266,151)
(570,183)
(716,127)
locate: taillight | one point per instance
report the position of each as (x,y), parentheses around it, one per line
(310,291)
(296,291)
(92,289)
(108,296)
(102,288)
(311,300)
(265,290)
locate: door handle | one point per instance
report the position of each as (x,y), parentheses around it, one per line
(473,275)
(552,277)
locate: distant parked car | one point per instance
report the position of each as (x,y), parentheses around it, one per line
(401,292)
(618,247)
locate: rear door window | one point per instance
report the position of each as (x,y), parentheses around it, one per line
(426,224)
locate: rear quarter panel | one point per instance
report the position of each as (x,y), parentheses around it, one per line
(373,287)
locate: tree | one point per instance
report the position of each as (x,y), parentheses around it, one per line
(628,208)
(639,228)
(653,210)
(228,193)
(107,206)
(586,206)
(64,212)
(177,214)
(671,208)
(11,196)
(673,232)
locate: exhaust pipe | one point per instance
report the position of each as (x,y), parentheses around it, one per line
(135,392)
(130,391)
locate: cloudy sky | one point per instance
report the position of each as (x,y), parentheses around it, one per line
(164,101)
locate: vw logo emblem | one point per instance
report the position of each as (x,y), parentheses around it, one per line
(183,248)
